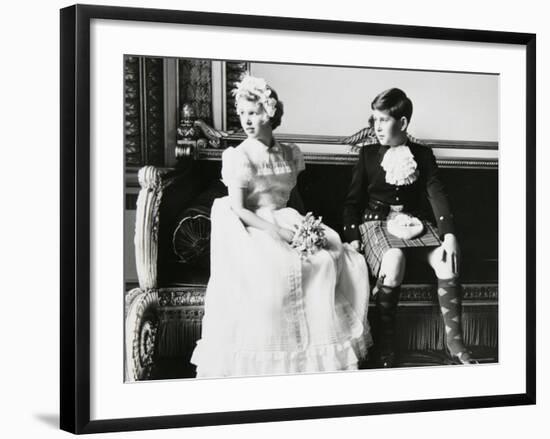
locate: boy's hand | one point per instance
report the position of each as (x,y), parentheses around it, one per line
(451,252)
(356,245)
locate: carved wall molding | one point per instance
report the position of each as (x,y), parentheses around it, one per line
(339,140)
(351,158)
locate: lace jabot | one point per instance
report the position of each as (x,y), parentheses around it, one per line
(400,166)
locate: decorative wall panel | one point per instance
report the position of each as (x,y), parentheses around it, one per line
(143,111)
(234,72)
(195,87)
(132,117)
(154,111)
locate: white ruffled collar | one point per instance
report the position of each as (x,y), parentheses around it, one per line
(400,166)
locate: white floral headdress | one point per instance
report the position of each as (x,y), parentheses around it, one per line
(256,89)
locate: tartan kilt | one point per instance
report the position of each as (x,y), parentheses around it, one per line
(377,240)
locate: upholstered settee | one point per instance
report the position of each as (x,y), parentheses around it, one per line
(163,315)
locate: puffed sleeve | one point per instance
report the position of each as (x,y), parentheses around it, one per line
(298,158)
(236,168)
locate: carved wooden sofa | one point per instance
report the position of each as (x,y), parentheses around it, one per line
(163,316)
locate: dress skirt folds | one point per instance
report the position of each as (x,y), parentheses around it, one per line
(267,311)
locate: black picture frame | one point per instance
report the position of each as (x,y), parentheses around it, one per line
(75,217)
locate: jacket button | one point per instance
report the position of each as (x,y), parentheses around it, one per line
(353,226)
(396,198)
(441,217)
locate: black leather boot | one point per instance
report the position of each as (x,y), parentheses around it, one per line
(387,299)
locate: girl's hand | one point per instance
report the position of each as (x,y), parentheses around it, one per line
(286,235)
(356,245)
(450,252)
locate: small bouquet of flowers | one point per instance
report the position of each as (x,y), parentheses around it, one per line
(309,236)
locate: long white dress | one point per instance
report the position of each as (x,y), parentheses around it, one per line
(267,311)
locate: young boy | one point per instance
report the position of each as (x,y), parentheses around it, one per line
(390,182)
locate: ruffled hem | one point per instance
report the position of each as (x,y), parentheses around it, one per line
(312,314)
(343,356)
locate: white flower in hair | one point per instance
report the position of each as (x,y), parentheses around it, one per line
(256,89)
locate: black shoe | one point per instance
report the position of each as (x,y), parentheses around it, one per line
(387,357)
(463,357)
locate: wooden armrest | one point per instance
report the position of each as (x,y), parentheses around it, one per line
(154,183)
(147,222)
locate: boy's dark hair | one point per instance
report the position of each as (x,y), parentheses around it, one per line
(395,102)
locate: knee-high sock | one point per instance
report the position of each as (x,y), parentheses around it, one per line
(449,293)
(387,299)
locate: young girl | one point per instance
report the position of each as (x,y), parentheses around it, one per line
(267,310)
(384,207)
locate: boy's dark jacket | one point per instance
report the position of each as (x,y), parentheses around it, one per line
(368,185)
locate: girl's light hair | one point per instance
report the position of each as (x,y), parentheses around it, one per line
(257,90)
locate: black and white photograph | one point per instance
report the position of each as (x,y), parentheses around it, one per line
(275,219)
(271,219)
(290,218)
